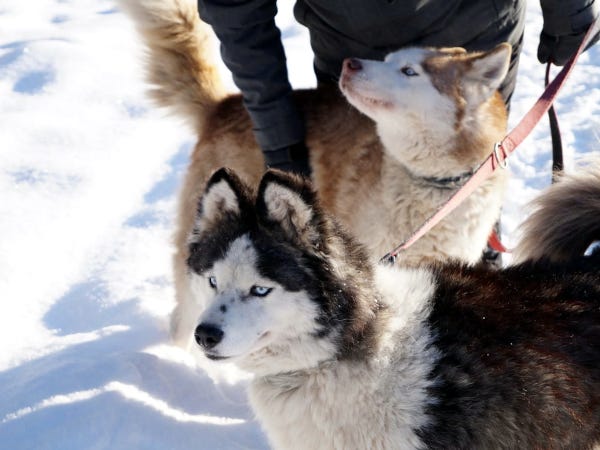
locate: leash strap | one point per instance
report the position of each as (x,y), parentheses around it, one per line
(494,240)
(557,149)
(502,149)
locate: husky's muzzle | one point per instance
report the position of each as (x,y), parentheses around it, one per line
(208,336)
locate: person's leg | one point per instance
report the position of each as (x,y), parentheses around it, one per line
(507,87)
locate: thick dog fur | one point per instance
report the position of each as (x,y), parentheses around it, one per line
(351,356)
(551,232)
(430,117)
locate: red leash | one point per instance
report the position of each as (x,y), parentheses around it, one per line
(502,150)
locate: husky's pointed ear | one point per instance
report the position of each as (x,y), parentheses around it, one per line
(485,73)
(224,197)
(452,50)
(290,203)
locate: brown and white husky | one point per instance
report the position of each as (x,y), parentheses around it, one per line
(351,355)
(423,120)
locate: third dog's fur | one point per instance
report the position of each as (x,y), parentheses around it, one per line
(348,355)
(554,234)
(424,119)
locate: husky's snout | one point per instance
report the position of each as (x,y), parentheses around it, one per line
(208,335)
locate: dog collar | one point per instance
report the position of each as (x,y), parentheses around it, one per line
(447,182)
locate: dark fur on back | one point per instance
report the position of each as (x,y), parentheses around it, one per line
(520,364)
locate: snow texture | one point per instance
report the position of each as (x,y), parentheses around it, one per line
(89,172)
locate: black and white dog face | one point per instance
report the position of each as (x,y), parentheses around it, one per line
(275,298)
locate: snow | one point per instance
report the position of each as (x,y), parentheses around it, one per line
(89,171)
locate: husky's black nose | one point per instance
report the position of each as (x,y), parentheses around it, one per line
(207,335)
(353,64)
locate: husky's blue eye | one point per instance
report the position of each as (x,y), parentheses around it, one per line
(212,281)
(409,71)
(260,291)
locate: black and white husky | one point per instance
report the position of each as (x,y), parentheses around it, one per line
(350,356)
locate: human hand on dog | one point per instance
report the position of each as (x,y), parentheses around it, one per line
(293,158)
(565,25)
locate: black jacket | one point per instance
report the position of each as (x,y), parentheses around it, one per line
(251,43)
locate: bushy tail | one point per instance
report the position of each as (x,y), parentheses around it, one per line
(179,64)
(566,218)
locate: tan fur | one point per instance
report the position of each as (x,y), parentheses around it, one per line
(179,59)
(447,67)
(554,230)
(374,195)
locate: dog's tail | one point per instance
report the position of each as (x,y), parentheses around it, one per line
(179,63)
(565,220)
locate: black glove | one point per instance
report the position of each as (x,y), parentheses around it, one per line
(293,158)
(565,25)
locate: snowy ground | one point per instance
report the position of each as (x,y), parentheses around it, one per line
(88,176)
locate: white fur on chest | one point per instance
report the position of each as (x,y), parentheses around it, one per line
(374,404)
(405,204)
